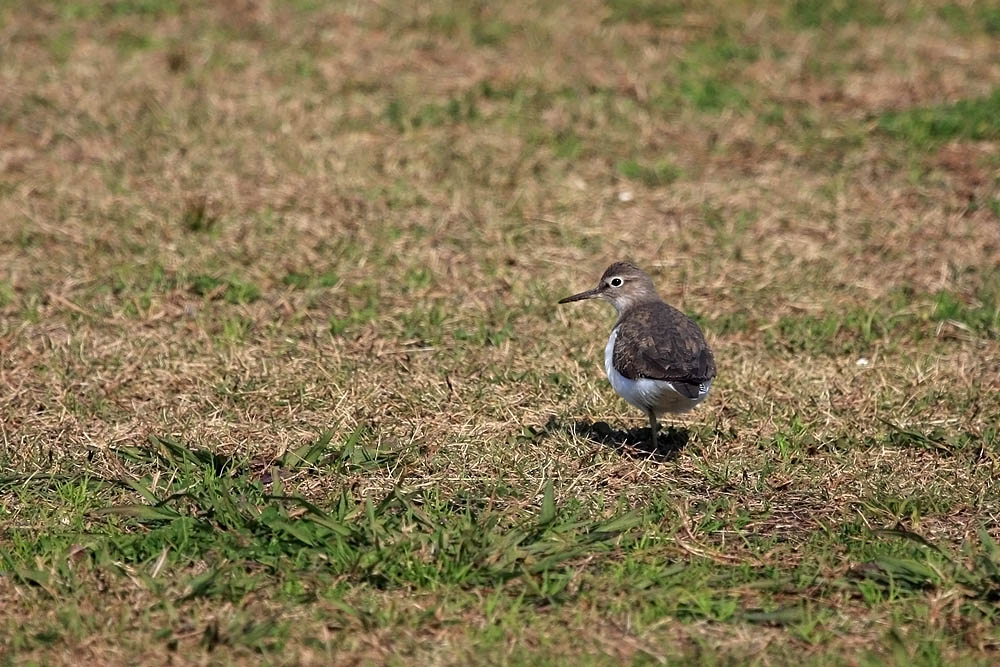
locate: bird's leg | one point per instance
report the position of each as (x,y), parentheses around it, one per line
(652,429)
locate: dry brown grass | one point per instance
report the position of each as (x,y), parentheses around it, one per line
(454,170)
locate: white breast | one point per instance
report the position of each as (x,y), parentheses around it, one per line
(645,394)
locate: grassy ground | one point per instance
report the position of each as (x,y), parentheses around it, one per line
(283,377)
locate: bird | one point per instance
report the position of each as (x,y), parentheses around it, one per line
(657,357)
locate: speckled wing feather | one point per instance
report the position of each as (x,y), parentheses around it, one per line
(657,341)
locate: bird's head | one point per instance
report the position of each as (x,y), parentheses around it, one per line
(623,284)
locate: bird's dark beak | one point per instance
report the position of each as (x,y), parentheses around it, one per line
(589,294)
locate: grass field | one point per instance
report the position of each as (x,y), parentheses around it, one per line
(282,377)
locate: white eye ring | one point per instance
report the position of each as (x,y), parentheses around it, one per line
(615,282)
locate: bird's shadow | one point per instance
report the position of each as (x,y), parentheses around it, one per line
(633,443)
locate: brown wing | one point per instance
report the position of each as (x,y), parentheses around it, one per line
(659,342)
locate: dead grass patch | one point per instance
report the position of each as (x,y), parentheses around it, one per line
(243,226)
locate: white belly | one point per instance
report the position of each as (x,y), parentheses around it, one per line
(645,394)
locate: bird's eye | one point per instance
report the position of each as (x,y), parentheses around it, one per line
(616,282)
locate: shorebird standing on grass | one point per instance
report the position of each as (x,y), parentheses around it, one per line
(656,358)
